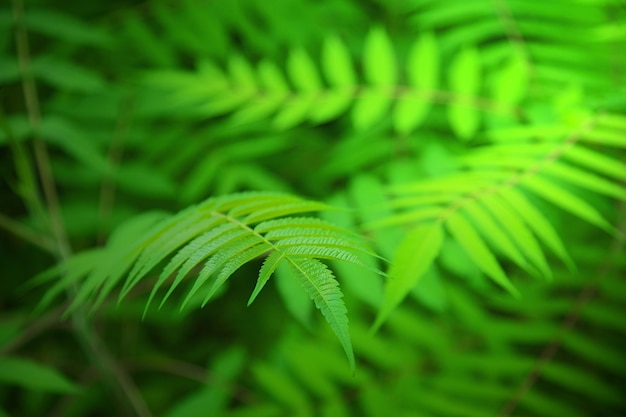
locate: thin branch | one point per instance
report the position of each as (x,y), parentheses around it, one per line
(25,233)
(512,30)
(34,116)
(569,322)
(116,151)
(90,340)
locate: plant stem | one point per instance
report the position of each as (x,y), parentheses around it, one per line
(25,233)
(83,329)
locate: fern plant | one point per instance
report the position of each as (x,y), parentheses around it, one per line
(468,143)
(223,233)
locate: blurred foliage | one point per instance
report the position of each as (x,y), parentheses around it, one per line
(477,147)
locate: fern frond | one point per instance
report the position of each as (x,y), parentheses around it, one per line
(221,235)
(405,91)
(488,208)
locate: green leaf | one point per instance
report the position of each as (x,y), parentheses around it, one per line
(537,222)
(76,142)
(495,233)
(64,75)
(65,27)
(586,180)
(269,266)
(517,230)
(597,161)
(303,72)
(337,63)
(464,233)
(607,137)
(271,77)
(34,376)
(379,62)
(242,77)
(413,258)
(295,111)
(331,105)
(566,201)
(464,82)
(323,289)
(371,107)
(423,76)
(511,83)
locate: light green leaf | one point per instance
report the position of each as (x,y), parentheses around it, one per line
(517,230)
(586,180)
(413,258)
(295,111)
(423,76)
(612,120)
(255,111)
(269,266)
(423,63)
(464,79)
(271,78)
(466,236)
(597,161)
(410,110)
(323,289)
(251,251)
(495,233)
(371,107)
(34,376)
(337,63)
(607,137)
(242,77)
(331,105)
(224,251)
(303,72)
(511,83)
(379,62)
(566,201)
(538,223)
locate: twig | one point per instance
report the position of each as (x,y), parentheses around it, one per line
(25,233)
(569,322)
(87,336)
(34,116)
(116,151)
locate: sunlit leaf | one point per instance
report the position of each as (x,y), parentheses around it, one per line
(466,235)
(337,63)
(414,256)
(566,201)
(379,62)
(464,79)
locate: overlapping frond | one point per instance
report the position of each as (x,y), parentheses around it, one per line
(218,237)
(488,356)
(318,89)
(490,205)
